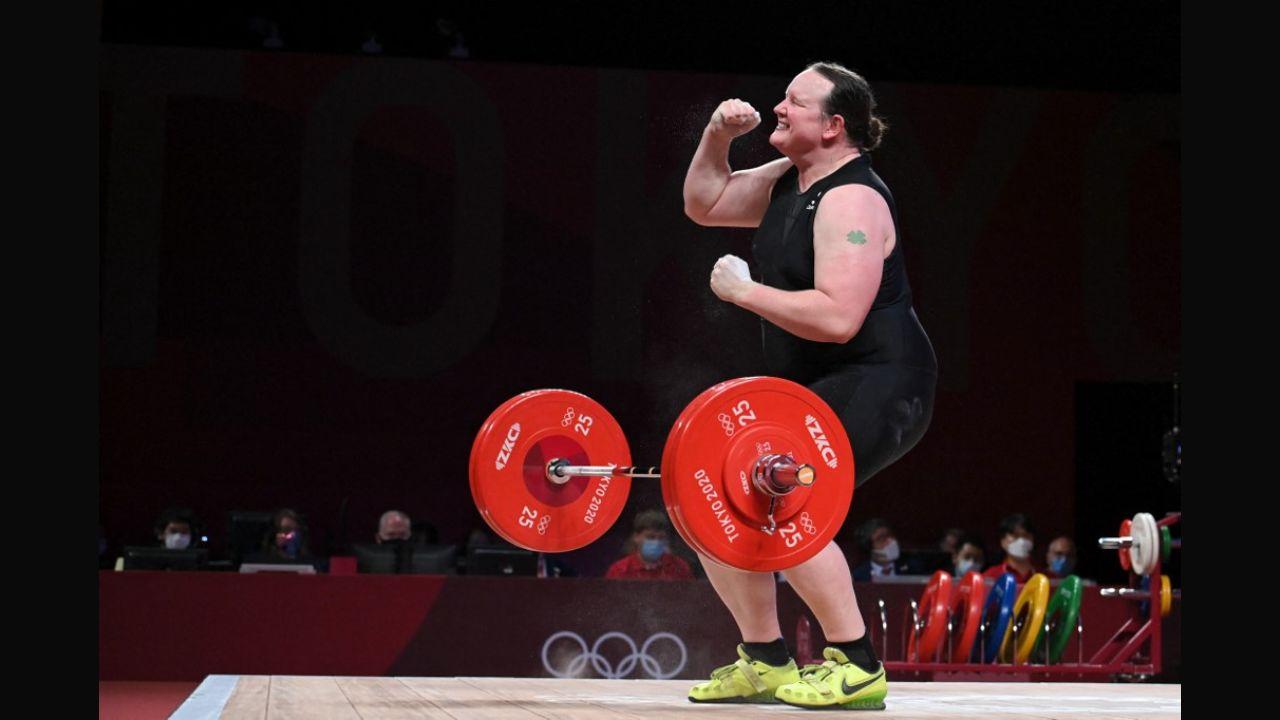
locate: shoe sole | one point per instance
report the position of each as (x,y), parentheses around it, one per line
(764,698)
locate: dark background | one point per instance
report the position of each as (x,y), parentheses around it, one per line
(1131,46)
(321,269)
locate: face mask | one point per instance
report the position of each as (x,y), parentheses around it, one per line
(965,566)
(651,550)
(177,541)
(888,553)
(1020,548)
(1059,565)
(288,544)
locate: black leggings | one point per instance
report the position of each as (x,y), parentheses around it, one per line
(885,409)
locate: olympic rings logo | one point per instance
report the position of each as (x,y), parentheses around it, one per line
(601,664)
(806,522)
(568,417)
(727,423)
(543,523)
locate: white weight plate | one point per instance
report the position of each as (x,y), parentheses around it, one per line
(1146,543)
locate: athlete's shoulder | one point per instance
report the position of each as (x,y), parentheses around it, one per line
(851,199)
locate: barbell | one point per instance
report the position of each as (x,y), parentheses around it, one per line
(757,473)
(1139,543)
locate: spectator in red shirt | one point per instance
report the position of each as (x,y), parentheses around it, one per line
(1017,539)
(649,553)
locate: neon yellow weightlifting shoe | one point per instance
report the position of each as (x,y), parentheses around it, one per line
(746,681)
(836,684)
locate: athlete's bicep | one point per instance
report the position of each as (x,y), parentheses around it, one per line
(746,196)
(849,235)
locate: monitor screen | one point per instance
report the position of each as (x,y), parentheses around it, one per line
(405,559)
(482,560)
(158,558)
(245,532)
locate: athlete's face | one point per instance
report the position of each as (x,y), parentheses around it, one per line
(801,124)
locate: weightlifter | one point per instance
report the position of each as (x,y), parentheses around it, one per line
(832,294)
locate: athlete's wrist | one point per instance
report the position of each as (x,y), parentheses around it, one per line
(745,295)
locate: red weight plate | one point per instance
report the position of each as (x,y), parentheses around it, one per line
(717,434)
(786,506)
(967,602)
(934,605)
(1126,526)
(508,470)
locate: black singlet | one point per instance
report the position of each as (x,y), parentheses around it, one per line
(881,382)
